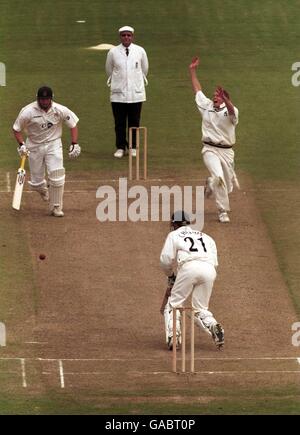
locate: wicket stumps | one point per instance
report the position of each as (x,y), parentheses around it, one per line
(183,339)
(138,131)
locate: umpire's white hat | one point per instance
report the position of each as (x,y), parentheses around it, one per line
(126,29)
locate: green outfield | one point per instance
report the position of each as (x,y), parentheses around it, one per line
(247,47)
(220,403)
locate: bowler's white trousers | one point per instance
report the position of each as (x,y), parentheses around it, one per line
(44,156)
(220,164)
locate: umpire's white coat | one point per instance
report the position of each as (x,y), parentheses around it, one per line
(127,74)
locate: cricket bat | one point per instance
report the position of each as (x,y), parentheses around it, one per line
(20,181)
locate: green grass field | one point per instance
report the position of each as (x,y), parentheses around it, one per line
(219,403)
(248,47)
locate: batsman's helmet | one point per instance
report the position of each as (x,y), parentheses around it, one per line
(179,219)
(44,92)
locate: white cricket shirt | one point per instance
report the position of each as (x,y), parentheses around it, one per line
(186,244)
(41,126)
(218,127)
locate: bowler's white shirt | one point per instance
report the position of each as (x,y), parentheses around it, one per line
(127,74)
(218,127)
(186,244)
(42,127)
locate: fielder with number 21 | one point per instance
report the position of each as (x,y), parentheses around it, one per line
(42,120)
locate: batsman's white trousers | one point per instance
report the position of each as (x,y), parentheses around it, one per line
(194,278)
(42,157)
(220,164)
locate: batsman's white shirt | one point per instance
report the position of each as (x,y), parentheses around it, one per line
(218,126)
(186,244)
(43,127)
(127,74)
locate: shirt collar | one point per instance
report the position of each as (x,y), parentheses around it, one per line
(220,108)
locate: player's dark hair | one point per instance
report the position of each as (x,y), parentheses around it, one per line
(44,92)
(179,219)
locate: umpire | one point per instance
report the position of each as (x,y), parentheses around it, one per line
(127,68)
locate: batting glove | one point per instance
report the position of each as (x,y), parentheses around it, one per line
(74,151)
(23,150)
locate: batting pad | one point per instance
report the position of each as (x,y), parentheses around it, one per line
(56,188)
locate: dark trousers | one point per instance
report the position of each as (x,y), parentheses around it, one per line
(126,114)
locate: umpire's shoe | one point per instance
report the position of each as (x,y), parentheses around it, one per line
(217,332)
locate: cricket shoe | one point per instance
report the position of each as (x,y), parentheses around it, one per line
(133,152)
(217,333)
(223,217)
(57,211)
(119,153)
(44,194)
(170,342)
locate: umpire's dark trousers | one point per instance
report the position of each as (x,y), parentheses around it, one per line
(126,113)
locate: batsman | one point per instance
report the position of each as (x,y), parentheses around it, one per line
(195,255)
(42,121)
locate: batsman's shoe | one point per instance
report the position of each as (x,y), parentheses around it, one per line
(57,212)
(170,342)
(223,217)
(217,332)
(119,153)
(44,194)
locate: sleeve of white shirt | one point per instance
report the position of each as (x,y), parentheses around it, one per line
(168,255)
(202,101)
(20,122)
(144,62)
(70,119)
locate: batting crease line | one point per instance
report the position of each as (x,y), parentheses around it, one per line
(161,180)
(152,359)
(207,372)
(157,359)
